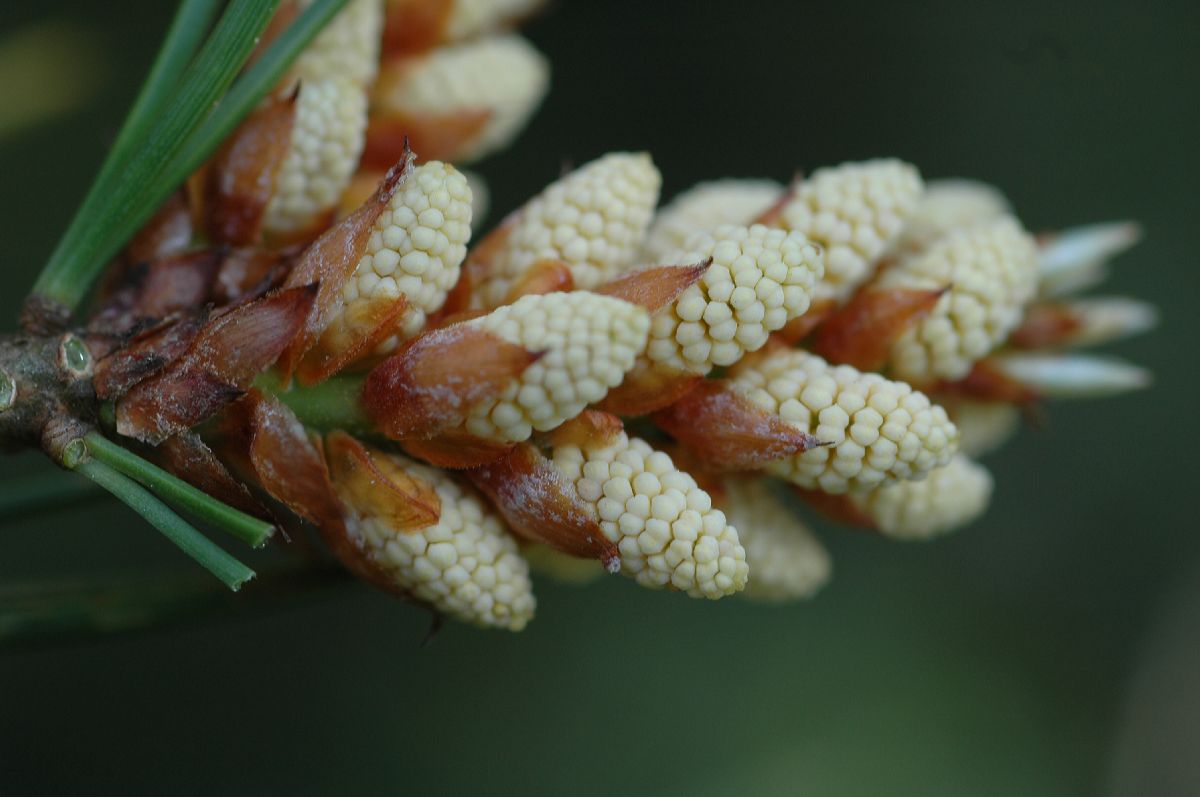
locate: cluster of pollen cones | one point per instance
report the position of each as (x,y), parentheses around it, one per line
(599,384)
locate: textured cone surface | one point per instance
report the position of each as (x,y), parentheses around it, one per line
(347,48)
(588,342)
(788,561)
(875,428)
(854,210)
(327,139)
(758,280)
(664,525)
(414,252)
(594,220)
(705,207)
(947,499)
(466,564)
(946,207)
(991,273)
(503,77)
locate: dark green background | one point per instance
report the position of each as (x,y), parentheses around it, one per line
(1049,650)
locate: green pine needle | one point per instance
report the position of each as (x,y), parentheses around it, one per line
(249,530)
(228,569)
(170,133)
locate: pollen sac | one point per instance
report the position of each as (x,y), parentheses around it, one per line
(1074,259)
(593,219)
(990,271)
(587,344)
(417,25)
(946,206)
(854,211)
(1069,376)
(458,103)
(665,527)
(347,48)
(703,208)
(466,564)
(949,498)
(983,426)
(874,429)
(413,256)
(1077,323)
(789,562)
(758,280)
(327,139)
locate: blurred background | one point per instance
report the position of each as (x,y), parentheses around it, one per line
(1051,649)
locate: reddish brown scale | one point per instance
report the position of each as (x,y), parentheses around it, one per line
(145,355)
(156,289)
(190,458)
(726,431)
(415,26)
(248,272)
(862,332)
(544,276)
(456,450)
(436,136)
(657,287)
(223,359)
(366,324)
(274,448)
(427,387)
(240,179)
(590,427)
(648,388)
(332,259)
(988,383)
(538,503)
(377,486)
(802,326)
(1045,326)
(168,232)
(838,508)
(475,268)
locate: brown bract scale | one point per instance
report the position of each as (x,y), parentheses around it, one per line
(649,387)
(655,288)
(375,484)
(332,258)
(190,458)
(437,136)
(544,276)
(456,449)
(250,272)
(1045,325)
(725,431)
(801,327)
(145,354)
(862,332)
(986,382)
(478,263)
(223,359)
(273,448)
(241,177)
(414,26)
(537,502)
(427,387)
(153,290)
